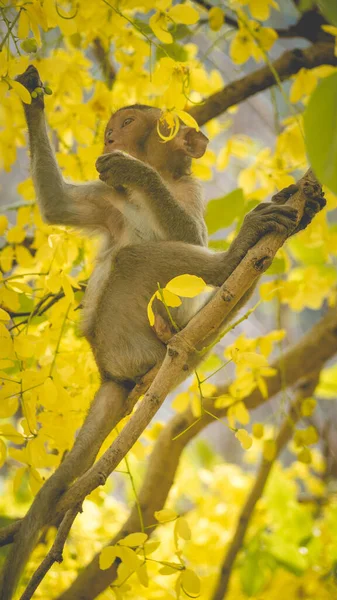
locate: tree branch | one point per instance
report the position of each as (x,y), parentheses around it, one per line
(308,355)
(55,554)
(286,65)
(7,534)
(308,26)
(102,57)
(307,388)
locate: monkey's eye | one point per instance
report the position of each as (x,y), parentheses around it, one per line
(127,121)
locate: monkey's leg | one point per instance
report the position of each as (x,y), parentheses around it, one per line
(105,412)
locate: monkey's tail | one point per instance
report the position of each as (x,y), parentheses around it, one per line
(106,411)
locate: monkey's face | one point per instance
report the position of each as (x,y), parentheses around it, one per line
(129,130)
(134,130)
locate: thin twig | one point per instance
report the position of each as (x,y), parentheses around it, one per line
(10,29)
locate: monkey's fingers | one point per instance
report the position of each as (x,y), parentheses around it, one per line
(264,219)
(110,159)
(102,163)
(30,79)
(283,196)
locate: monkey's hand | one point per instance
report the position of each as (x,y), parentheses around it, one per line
(265,218)
(31,80)
(315,201)
(118,168)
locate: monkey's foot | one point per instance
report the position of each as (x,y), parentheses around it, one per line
(315,201)
(163,330)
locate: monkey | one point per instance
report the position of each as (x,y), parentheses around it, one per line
(149,210)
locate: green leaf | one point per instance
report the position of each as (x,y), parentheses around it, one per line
(142,575)
(221,212)
(134,539)
(187,286)
(252,574)
(143,26)
(307,255)
(277,267)
(220,245)
(107,557)
(190,583)
(165,515)
(288,555)
(22,92)
(175,51)
(170,567)
(320,129)
(129,557)
(180,31)
(329,9)
(182,528)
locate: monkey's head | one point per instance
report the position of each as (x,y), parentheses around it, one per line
(134,130)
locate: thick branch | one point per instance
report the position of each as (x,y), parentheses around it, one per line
(283,437)
(287,65)
(313,350)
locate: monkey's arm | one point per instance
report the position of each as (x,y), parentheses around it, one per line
(63,203)
(60,202)
(141,180)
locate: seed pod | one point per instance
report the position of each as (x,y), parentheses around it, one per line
(39,91)
(34,94)
(48,90)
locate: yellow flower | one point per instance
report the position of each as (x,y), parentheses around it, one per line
(173,79)
(241,46)
(216,18)
(268,171)
(290,143)
(162,19)
(244,438)
(260,9)
(264,39)
(258,430)
(251,40)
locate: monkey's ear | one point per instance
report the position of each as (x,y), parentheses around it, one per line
(191,141)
